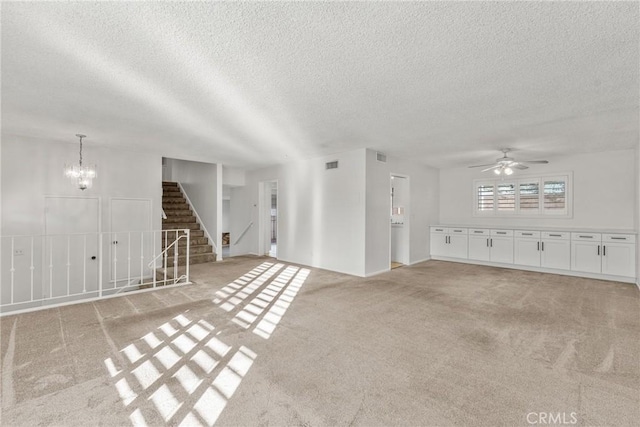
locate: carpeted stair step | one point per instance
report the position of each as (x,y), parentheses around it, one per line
(194,241)
(177,212)
(195,249)
(193,259)
(175,207)
(179,219)
(173,200)
(180,225)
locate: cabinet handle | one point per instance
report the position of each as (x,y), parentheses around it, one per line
(501,232)
(538,245)
(586,237)
(555,235)
(491,242)
(527,234)
(487,242)
(618,238)
(604,250)
(598,249)
(543,246)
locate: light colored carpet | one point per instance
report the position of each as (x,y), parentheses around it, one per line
(437,343)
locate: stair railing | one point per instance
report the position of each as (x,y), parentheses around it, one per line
(206,232)
(165,255)
(244,232)
(42,271)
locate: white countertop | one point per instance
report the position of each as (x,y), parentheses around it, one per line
(527,228)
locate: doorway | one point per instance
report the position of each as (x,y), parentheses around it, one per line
(71,245)
(268,233)
(399,224)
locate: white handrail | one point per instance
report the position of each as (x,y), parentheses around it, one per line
(186,235)
(164,215)
(206,232)
(244,232)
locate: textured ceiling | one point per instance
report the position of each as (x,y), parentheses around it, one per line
(252,84)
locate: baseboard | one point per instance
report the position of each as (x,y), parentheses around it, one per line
(375,273)
(622,279)
(420,260)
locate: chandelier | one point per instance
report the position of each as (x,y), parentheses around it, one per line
(81,174)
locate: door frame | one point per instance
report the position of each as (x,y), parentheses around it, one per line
(264,225)
(407,222)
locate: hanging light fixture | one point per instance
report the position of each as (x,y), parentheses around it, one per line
(83,175)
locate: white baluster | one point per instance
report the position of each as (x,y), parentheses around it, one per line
(128,260)
(13,269)
(32,267)
(165,256)
(175,259)
(115,259)
(68,262)
(153,236)
(141,256)
(188,252)
(84,266)
(50,267)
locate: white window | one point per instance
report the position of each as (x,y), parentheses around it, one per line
(530,196)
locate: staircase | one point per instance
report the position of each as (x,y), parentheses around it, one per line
(180,216)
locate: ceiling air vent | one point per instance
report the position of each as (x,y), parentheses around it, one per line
(381,157)
(332,165)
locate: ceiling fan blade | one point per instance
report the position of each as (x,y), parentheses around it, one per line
(519,166)
(482,166)
(492,167)
(541,162)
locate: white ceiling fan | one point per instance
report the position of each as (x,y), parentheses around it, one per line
(505,164)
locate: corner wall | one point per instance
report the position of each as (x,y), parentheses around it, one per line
(422,209)
(320,212)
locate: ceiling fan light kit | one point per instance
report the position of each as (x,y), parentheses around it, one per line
(505,165)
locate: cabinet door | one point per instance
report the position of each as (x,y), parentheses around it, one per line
(479,248)
(618,259)
(585,256)
(527,252)
(457,246)
(439,244)
(502,249)
(555,254)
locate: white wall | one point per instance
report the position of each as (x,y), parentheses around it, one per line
(637,224)
(602,196)
(226,212)
(199,182)
(422,209)
(33,169)
(320,212)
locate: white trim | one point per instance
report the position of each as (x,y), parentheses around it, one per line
(572,273)
(517,180)
(375,273)
(206,232)
(419,261)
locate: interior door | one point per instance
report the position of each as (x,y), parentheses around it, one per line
(130,240)
(70,246)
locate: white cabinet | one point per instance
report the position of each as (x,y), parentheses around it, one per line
(491,245)
(479,248)
(611,254)
(555,250)
(501,245)
(543,249)
(449,242)
(599,254)
(619,254)
(586,252)
(526,249)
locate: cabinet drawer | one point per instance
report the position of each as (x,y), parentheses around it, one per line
(619,238)
(527,234)
(593,237)
(439,230)
(556,235)
(503,233)
(479,232)
(458,230)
